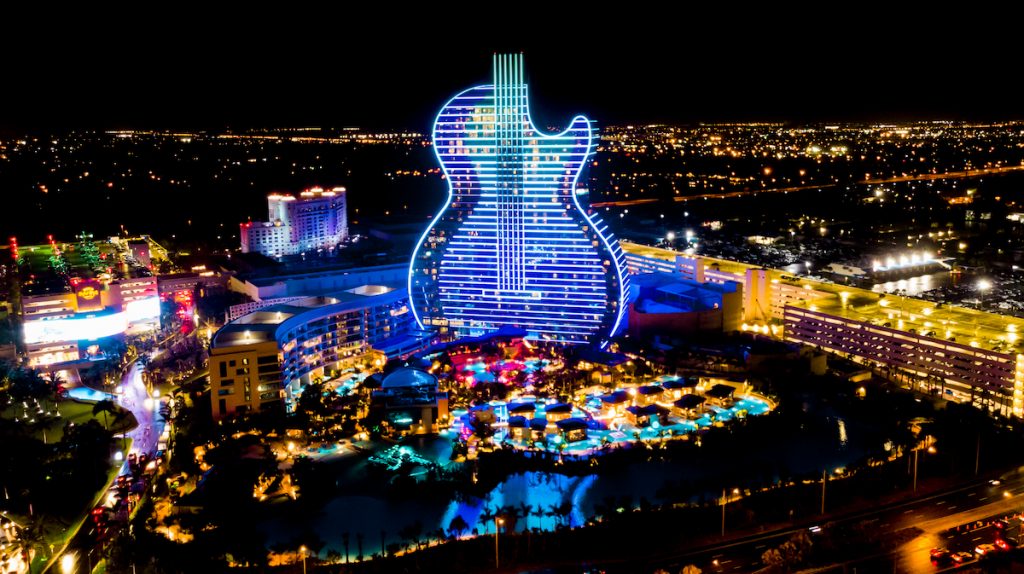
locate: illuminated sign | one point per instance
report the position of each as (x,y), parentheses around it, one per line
(86,328)
(88,292)
(513,245)
(143,309)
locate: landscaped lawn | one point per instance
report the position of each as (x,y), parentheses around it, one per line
(74,411)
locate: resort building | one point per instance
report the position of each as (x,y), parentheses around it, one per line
(73,298)
(964,354)
(267,356)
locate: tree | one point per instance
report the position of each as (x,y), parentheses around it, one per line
(510,514)
(457,526)
(487,516)
(31,534)
(412,533)
(333,556)
(790,554)
(564,512)
(104,406)
(525,510)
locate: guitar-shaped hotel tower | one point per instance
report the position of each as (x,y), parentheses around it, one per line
(513,244)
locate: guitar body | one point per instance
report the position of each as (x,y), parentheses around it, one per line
(513,245)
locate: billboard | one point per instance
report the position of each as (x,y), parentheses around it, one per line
(146,309)
(86,328)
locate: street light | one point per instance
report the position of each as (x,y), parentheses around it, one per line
(302,549)
(931,450)
(497,526)
(67,563)
(735,491)
(983,286)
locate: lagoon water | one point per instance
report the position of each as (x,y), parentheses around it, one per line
(367,511)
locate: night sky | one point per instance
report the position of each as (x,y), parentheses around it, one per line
(192,71)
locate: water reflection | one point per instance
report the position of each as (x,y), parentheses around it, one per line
(915,286)
(550,500)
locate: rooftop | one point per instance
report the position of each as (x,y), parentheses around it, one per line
(262,325)
(669,255)
(982,329)
(408,377)
(992,331)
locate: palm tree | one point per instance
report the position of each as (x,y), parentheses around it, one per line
(510,514)
(564,511)
(525,510)
(487,517)
(104,406)
(31,534)
(55,383)
(359,546)
(344,541)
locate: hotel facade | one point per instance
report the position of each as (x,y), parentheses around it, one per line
(515,244)
(265,358)
(316,219)
(965,354)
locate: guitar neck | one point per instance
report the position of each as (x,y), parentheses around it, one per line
(509,127)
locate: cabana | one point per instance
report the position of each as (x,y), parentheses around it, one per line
(573,429)
(687,405)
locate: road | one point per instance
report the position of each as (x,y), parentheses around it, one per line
(145,438)
(933,514)
(135,397)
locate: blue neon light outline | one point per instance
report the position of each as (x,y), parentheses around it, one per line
(447,202)
(590,146)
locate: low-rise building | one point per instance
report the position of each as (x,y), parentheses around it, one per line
(409,402)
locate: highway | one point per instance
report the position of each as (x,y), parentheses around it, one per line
(933,514)
(965,174)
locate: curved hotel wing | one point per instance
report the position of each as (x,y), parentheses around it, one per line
(263,358)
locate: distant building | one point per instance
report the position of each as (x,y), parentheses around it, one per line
(317,219)
(266,357)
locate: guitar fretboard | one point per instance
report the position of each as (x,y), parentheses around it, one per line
(509,117)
